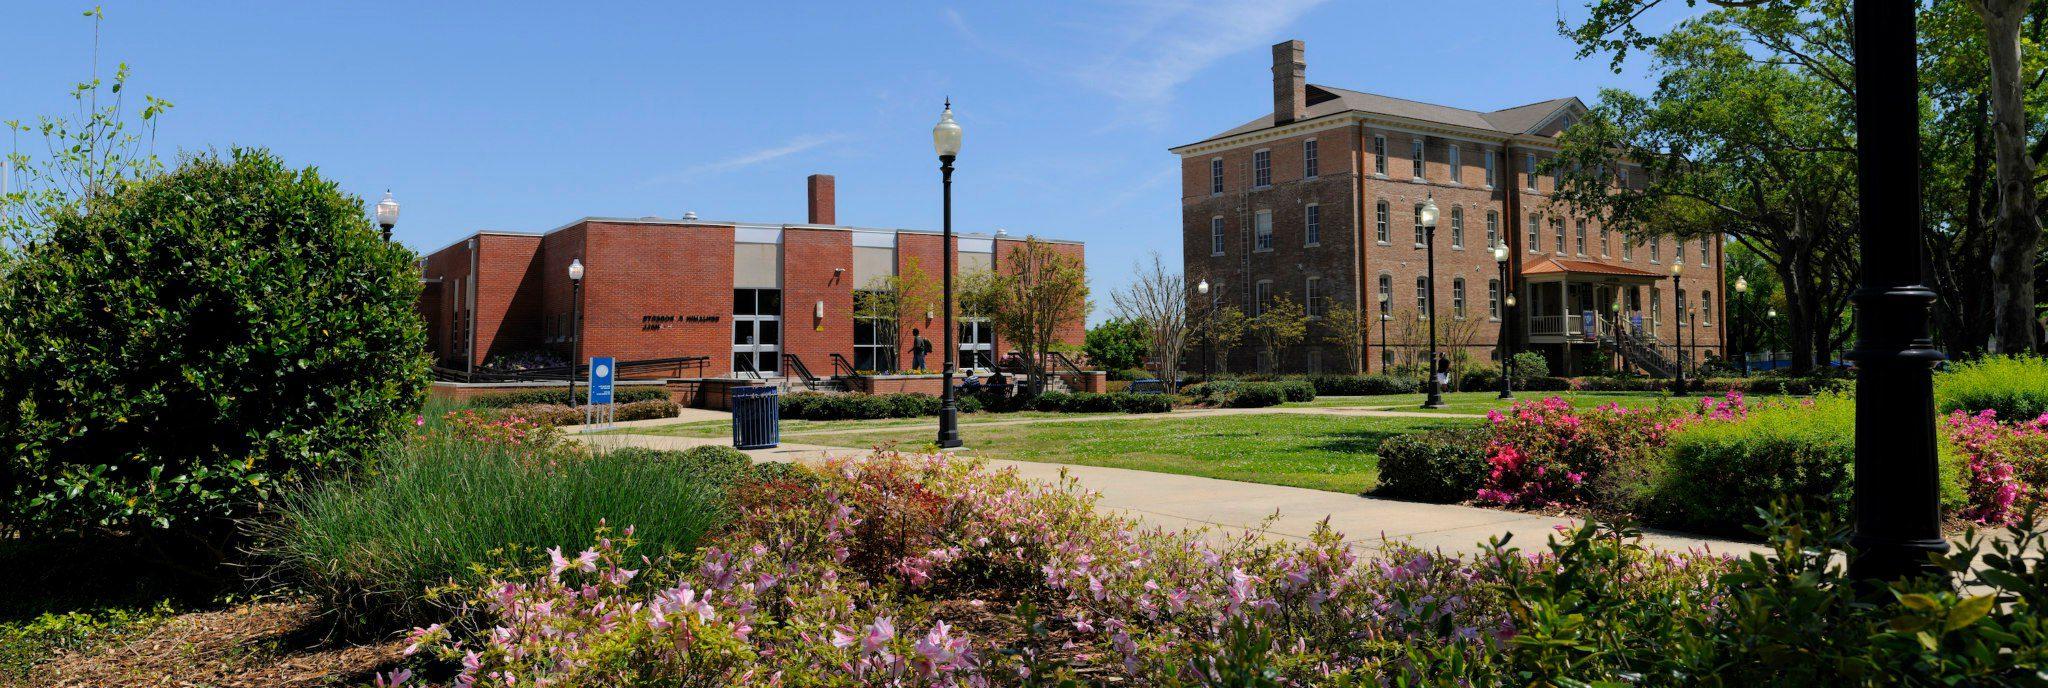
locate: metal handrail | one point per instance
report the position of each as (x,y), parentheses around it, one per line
(802,371)
(1062,359)
(842,367)
(746,365)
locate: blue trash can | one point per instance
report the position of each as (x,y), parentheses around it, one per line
(756,417)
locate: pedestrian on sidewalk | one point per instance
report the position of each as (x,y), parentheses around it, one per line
(1443,372)
(919,346)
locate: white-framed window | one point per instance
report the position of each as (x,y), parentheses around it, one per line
(1531,171)
(1451,157)
(1707,308)
(1312,225)
(1262,230)
(1557,230)
(1493,298)
(1606,241)
(1628,248)
(1421,235)
(1656,249)
(1684,318)
(1535,242)
(1656,307)
(1492,228)
(1312,296)
(757,331)
(1416,157)
(1379,213)
(1458,298)
(1457,227)
(1216,235)
(1379,154)
(1421,295)
(1308,158)
(874,338)
(1262,168)
(1489,158)
(1215,175)
(1579,237)
(1262,296)
(1386,298)
(1703,253)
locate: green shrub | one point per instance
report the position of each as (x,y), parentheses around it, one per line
(1052,401)
(557,414)
(198,342)
(2016,388)
(440,508)
(1781,383)
(1128,374)
(1116,344)
(1363,385)
(1297,390)
(560,396)
(1446,465)
(1257,395)
(1715,476)
(1144,403)
(1530,365)
(821,406)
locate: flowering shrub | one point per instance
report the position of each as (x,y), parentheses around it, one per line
(500,429)
(1546,453)
(2007,464)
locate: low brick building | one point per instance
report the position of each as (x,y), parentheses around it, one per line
(745,295)
(1320,201)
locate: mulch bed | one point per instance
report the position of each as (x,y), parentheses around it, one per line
(264,644)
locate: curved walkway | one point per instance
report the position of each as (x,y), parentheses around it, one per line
(1231,508)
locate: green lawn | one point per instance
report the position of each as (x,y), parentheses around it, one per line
(1314,451)
(1481,402)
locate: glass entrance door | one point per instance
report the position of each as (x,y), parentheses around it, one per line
(977,342)
(757,331)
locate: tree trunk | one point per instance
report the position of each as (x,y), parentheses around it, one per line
(2017,233)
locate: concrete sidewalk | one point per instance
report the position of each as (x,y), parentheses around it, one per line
(1230,507)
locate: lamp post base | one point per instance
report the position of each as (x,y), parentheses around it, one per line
(949,424)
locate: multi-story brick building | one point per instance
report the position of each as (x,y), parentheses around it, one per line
(1320,202)
(740,293)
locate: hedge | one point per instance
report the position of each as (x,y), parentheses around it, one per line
(1091,402)
(560,396)
(560,414)
(1363,385)
(1446,465)
(2016,388)
(822,406)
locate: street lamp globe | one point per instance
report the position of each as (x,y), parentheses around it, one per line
(1500,253)
(1677,267)
(1202,288)
(1511,299)
(1741,285)
(1429,211)
(387,211)
(576,269)
(946,135)
(1772,313)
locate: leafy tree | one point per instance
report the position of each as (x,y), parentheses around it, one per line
(1158,300)
(1280,324)
(1035,293)
(1749,329)
(199,342)
(1221,328)
(904,297)
(1342,327)
(1118,344)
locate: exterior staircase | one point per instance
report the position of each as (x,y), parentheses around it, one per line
(1635,351)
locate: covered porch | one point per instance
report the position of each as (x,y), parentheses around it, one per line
(1569,307)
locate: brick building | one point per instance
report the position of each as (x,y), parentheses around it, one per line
(739,293)
(1319,201)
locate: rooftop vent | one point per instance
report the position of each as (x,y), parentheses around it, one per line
(689,216)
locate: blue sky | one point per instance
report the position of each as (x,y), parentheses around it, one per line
(526,115)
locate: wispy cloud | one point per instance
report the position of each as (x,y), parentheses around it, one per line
(1141,53)
(748,159)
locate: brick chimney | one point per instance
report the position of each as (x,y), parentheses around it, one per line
(1290,83)
(821,197)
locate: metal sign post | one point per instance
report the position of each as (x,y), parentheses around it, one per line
(601,370)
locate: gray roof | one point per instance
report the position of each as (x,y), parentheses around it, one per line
(1329,100)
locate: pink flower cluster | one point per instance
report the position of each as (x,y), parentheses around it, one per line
(1546,453)
(2008,464)
(508,430)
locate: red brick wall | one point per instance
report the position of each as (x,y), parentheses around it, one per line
(817,265)
(451,266)
(638,270)
(507,296)
(924,250)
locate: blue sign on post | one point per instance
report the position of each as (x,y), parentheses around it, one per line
(1586,322)
(601,379)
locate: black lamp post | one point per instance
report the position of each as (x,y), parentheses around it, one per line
(575,323)
(1692,319)
(387,214)
(1898,496)
(946,140)
(1436,393)
(1386,353)
(1742,303)
(1208,335)
(1677,335)
(1507,301)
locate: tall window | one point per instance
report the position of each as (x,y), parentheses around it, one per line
(1452,158)
(1579,237)
(1262,168)
(1379,212)
(1628,248)
(1308,158)
(757,331)
(1458,298)
(1489,156)
(1493,298)
(1492,228)
(1312,225)
(1535,242)
(1379,154)
(1262,295)
(1605,241)
(1262,230)
(1531,171)
(1621,176)
(874,336)
(1386,295)
(1216,176)
(1216,236)
(1457,227)
(1557,230)
(1656,307)
(1707,307)
(1656,248)
(1312,297)
(1684,318)
(1421,235)
(1415,157)
(1703,253)
(1421,295)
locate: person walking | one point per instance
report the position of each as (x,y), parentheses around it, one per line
(919,346)
(1443,372)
